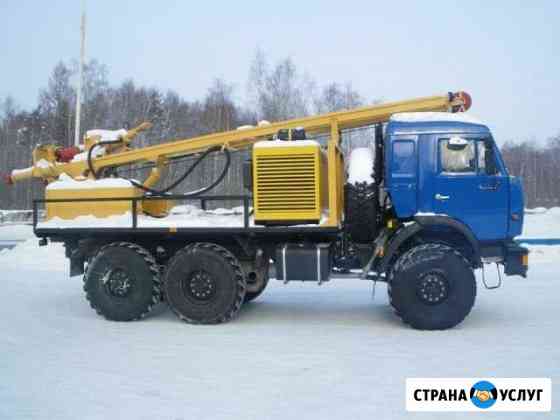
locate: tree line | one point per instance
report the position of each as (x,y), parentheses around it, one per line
(275,91)
(538,164)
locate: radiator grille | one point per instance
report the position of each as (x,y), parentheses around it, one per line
(286,186)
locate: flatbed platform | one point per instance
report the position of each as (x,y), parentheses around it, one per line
(183,220)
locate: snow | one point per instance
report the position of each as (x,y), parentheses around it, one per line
(104,135)
(191,216)
(16,232)
(60,358)
(186,216)
(116,221)
(327,352)
(107,135)
(541,223)
(97,152)
(27,171)
(180,216)
(28,256)
(536,210)
(66,182)
(260,124)
(43,163)
(360,165)
(286,143)
(409,117)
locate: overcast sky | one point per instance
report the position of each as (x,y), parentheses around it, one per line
(505,53)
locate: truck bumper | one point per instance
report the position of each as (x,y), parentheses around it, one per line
(516,260)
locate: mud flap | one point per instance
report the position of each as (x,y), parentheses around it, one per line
(516,261)
(76,258)
(77,265)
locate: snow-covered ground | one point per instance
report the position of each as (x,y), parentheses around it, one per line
(541,223)
(298,351)
(16,232)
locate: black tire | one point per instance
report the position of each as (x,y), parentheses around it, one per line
(122,282)
(204,284)
(360,217)
(252,295)
(432,287)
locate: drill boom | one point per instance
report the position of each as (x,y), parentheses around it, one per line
(241,138)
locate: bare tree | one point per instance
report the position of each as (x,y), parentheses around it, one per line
(279,93)
(336,97)
(55,103)
(219,109)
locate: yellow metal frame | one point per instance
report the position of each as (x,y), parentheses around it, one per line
(331,123)
(101,209)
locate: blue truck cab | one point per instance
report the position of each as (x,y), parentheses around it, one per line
(444,172)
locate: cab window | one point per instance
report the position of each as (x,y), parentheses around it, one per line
(486,158)
(457,155)
(404,158)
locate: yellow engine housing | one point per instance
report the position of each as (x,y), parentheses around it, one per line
(289,182)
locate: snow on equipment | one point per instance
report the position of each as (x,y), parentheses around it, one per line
(423,206)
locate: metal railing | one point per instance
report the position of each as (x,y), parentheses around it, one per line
(245,199)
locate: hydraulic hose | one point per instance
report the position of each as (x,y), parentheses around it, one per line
(90,153)
(188,172)
(179,180)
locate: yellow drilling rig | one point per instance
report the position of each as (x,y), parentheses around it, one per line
(299,211)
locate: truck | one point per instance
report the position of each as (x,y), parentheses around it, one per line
(424,205)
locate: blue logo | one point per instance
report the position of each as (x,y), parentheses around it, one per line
(483,394)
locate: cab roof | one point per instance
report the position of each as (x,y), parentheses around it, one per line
(432,122)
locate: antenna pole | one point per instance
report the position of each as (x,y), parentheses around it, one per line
(81,74)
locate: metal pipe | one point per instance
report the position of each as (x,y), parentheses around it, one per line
(81,75)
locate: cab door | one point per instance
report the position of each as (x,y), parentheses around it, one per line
(403,174)
(470,186)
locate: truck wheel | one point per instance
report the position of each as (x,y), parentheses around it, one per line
(432,287)
(204,284)
(122,282)
(361,202)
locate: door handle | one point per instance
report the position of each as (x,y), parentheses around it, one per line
(489,187)
(442,197)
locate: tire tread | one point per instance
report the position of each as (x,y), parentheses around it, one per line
(239,279)
(152,265)
(416,255)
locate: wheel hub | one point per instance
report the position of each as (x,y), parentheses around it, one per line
(200,286)
(118,283)
(432,288)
